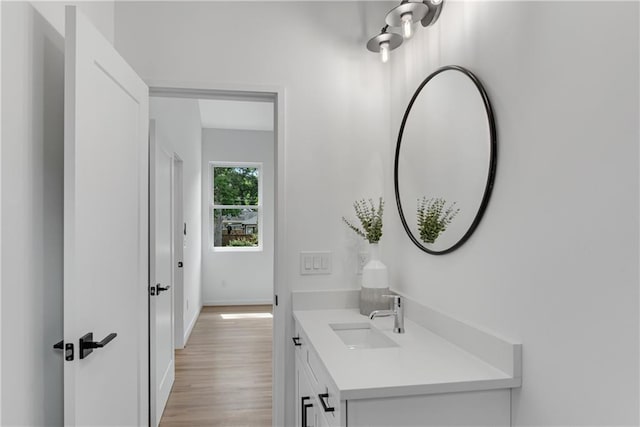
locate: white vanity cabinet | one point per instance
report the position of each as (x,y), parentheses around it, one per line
(327,389)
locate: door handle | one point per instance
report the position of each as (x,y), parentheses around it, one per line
(87,344)
(180,264)
(160,288)
(58,345)
(296,341)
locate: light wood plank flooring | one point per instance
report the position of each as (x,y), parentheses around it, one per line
(223,375)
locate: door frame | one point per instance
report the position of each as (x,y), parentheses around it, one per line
(282,379)
(1,220)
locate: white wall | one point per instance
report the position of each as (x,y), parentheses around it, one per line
(238,277)
(336,102)
(178,129)
(32,206)
(554,262)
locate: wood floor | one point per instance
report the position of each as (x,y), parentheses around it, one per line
(223,375)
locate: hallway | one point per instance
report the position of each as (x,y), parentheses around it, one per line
(223,375)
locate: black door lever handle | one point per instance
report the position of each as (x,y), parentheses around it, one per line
(160,288)
(58,345)
(87,344)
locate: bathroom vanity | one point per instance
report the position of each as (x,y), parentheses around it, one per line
(352,371)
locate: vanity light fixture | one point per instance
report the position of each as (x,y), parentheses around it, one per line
(404,16)
(384,43)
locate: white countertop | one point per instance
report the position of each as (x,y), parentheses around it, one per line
(423,362)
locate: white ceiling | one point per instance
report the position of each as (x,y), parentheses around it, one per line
(245,115)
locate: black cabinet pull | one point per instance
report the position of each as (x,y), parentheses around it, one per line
(59,345)
(296,341)
(304,407)
(304,411)
(325,406)
(87,344)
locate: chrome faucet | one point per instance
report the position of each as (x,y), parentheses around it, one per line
(397,312)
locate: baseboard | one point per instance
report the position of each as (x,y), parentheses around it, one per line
(239,302)
(187,333)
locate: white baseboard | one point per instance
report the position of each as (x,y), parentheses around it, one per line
(239,302)
(187,333)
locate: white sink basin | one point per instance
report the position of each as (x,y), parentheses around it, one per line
(361,335)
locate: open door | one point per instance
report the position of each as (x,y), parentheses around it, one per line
(106,230)
(179,243)
(162,366)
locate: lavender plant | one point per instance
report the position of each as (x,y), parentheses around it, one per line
(433,217)
(370,218)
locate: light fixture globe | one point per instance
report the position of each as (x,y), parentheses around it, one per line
(405,11)
(393,39)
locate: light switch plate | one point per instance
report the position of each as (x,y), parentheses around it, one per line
(313,263)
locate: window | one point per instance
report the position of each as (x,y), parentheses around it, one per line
(236,206)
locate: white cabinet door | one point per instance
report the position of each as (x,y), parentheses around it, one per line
(106,244)
(306,402)
(322,420)
(162,367)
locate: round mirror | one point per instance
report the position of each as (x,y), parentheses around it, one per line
(445,160)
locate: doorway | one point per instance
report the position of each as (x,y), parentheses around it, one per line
(190,233)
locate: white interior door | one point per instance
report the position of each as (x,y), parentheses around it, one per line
(161,263)
(105,232)
(179,243)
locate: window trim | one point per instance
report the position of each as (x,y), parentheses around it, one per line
(259,207)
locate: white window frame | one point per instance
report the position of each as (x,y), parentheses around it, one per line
(212,207)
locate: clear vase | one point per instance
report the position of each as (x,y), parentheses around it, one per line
(375,283)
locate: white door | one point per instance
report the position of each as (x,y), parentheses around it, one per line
(106,225)
(179,243)
(162,366)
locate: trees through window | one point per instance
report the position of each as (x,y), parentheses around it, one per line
(236,208)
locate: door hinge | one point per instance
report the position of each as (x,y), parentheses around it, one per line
(275,299)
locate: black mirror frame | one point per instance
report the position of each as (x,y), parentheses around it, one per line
(492,160)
